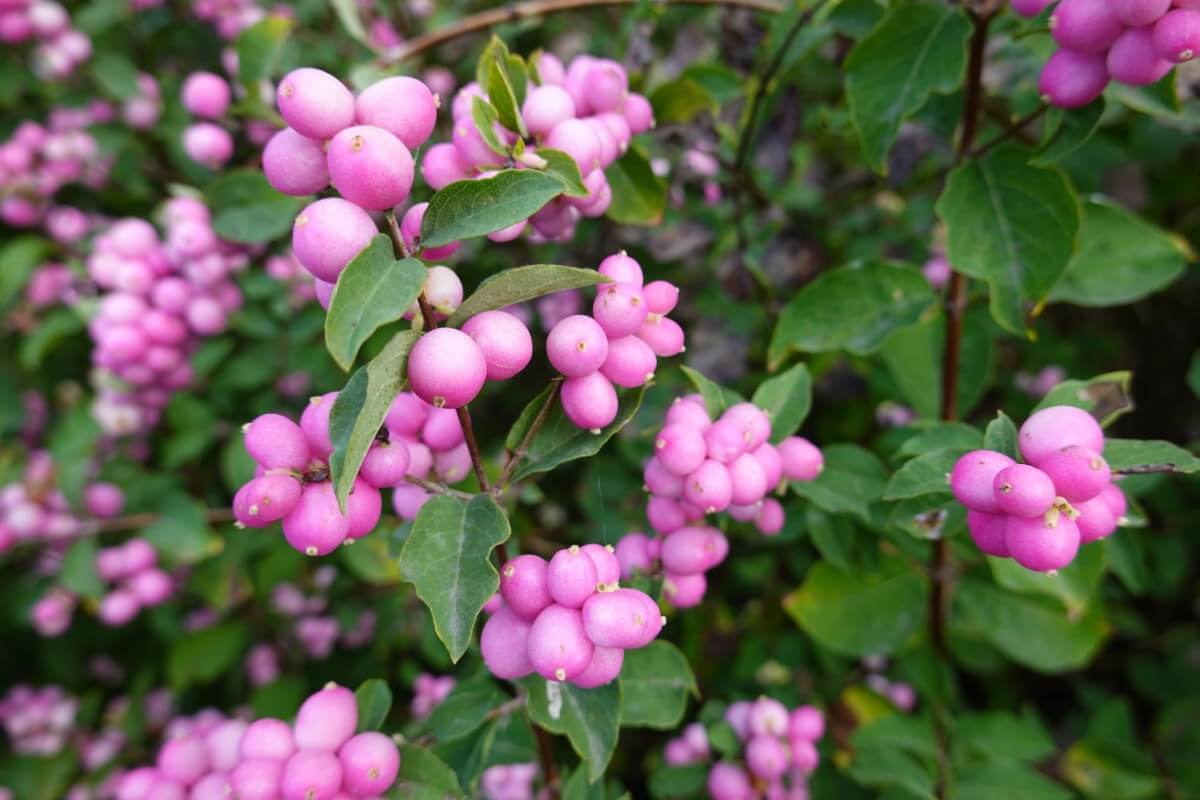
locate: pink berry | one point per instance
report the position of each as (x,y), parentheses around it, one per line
(208,144)
(770,517)
(1040,545)
(311,775)
(1114,498)
(684,411)
(988,532)
(725,441)
(589,401)
(504,644)
(410,231)
(267,738)
(326,719)
(639,113)
(1023,491)
(1136,13)
(619,309)
(608,568)
(103,499)
(295,164)
(1177,35)
(661,481)
(316,526)
(546,106)
(523,586)
(1133,60)
(747,479)
(315,424)
(407,415)
(768,717)
(151,587)
(363,507)
(223,744)
(446,368)
(806,722)
(709,487)
(370,762)
(622,268)
(692,550)
(505,341)
(559,649)
(328,234)
(1030,8)
(442,430)
(213,786)
(1051,429)
(665,515)
(472,148)
(118,607)
(606,85)
(767,757)
(771,461)
(275,442)
(577,346)
(407,500)
(1096,519)
(451,466)
(205,94)
(442,166)
(402,106)
(633,553)
(315,103)
(1078,473)
(1085,26)
(684,591)
(257,779)
(680,449)
(385,464)
(973,478)
(571,577)
(370,167)
(578,140)
(183,760)
(805,757)
(663,334)
(728,781)
(604,668)
(616,619)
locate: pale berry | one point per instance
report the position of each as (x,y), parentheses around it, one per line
(988,532)
(407,500)
(766,757)
(118,607)
(684,591)
(315,103)
(407,414)
(328,234)
(442,430)
(316,526)
(523,586)
(1078,473)
(605,85)
(257,779)
(747,479)
(184,759)
(442,166)
(295,164)
(311,775)
(604,668)
(370,762)
(973,478)
(622,268)
(505,341)
(504,644)
(326,719)
(577,346)
(446,368)
(208,144)
(590,401)
(559,649)
(267,738)
(1051,429)
(578,140)
(206,94)
(619,309)
(661,481)
(639,113)
(151,587)
(633,554)
(616,619)
(451,466)
(410,232)
(684,411)
(663,334)
(571,577)
(752,421)
(370,167)
(443,291)
(402,106)
(1023,491)
(1041,544)
(472,148)
(806,722)
(727,781)
(546,106)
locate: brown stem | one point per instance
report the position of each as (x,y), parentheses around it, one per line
(1011,130)
(142,520)
(546,757)
(527,440)
(1146,469)
(437,488)
(515,12)
(397,236)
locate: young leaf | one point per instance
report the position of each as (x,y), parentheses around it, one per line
(519,284)
(247,210)
(180,533)
(205,655)
(716,397)
(78,573)
(447,558)
(1001,435)
(565,169)
(851,308)
(786,398)
(259,46)
(589,718)
(913,52)
(560,440)
(655,683)
(680,101)
(374,700)
(465,709)
(639,197)
(1011,225)
(853,478)
(485,117)
(18,257)
(361,407)
(478,207)
(373,290)
(500,91)
(923,475)
(1066,131)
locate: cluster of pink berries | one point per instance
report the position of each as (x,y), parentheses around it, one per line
(428,693)
(703,467)
(436,448)
(36,161)
(160,297)
(567,619)
(584,109)
(139,582)
(780,752)
(319,756)
(620,342)
(316,631)
(1039,512)
(682,557)
(207,95)
(60,48)
(508,782)
(35,510)
(1039,384)
(1135,42)
(143,109)
(228,17)
(286,268)
(37,722)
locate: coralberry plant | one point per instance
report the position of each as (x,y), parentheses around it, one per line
(727,399)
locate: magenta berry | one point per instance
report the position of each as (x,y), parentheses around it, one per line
(1078,473)
(402,106)
(385,464)
(1177,35)
(523,585)
(315,103)
(630,362)
(183,760)
(807,723)
(1114,498)
(275,442)
(370,762)
(767,757)
(1042,544)
(619,309)
(208,144)
(1070,79)
(1133,59)
(747,480)
(988,532)
(709,487)
(685,591)
(1136,13)
(1051,429)
(473,149)
(326,719)
(725,441)
(663,334)
(311,775)
(1023,491)
(665,515)
(442,166)
(505,341)
(571,577)
(267,738)
(680,449)
(752,421)
(685,411)
(577,346)
(504,644)
(590,401)
(770,517)
(316,526)
(1096,519)
(973,478)
(328,234)
(604,668)
(446,368)
(771,461)
(295,164)
(605,85)
(407,415)
(442,430)
(1085,26)
(616,619)
(370,167)
(205,94)
(315,424)
(639,113)
(661,481)
(692,550)
(267,499)
(727,781)
(622,268)
(559,648)
(363,507)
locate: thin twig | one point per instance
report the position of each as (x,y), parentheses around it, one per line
(131,521)
(437,488)
(1146,469)
(546,757)
(515,12)
(1011,130)
(527,440)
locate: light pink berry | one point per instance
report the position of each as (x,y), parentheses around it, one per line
(973,478)
(370,167)
(504,644)
(316,526)
(328,234)
(315,103)
(604,668)
(446,368)
(505,341)
(267,738)
(442,166)
(315,424)
(1023,491)
(616,619)
(523,586)
(311,775)
(402,106)
(590,401)
(546,106)
(295,164)
(326,719)
(709,487)
(370,762)
(1051,429)
(206,94)
(680,449)
(275,442)
(571,577)
(622,268)
(619,309)
(1040,545)
(1096,519)
(559,649)
(577,346)
(1078,473)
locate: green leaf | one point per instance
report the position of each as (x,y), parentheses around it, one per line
(1105,397)
(373,290)
(247,210)
(563,167)
(1121,258)
(360,409)
(639,197)
(78,573)
(913,52)
(589,718)
(577,787)
(914,356)
(447,558)
(1130,454)
(115,74)
(519,284)
(1001,435)
(1003,780)
(374,699)
(1074,586)
(423,776)
(1034,631)
(924,475)
(180,532)
(889,767)
(851,308)
(37,777)
(259,46)
(350,15)
(465,709)
(1067,130)
(478,207)
(18,257)
(787,399)
(205,655)
(1109,771)
(716,397)
(833,535)
(58,325)
(683,781)
(853,478)
(942,436)
(680,101)
(560,440)
(999,734)
(485,118)
(1011,225)
(499,87)
(859,612)
(655,683)
(73,444)
(193,425)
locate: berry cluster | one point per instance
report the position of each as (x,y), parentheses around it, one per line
(1134,42)
(508,782)
(584,109)
(37,722)
(286,268)
(319,756)
(160,297)
(207,95)
(139,583)
(142,110)
(435,444)
(36,161)
(620,342)
(316,631)
(682,557)
(702,467)
(428,693)
(60,47)
(1039,384)
(228,17)
(33,509)
(447,367)
(1039,512)
(567,619)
